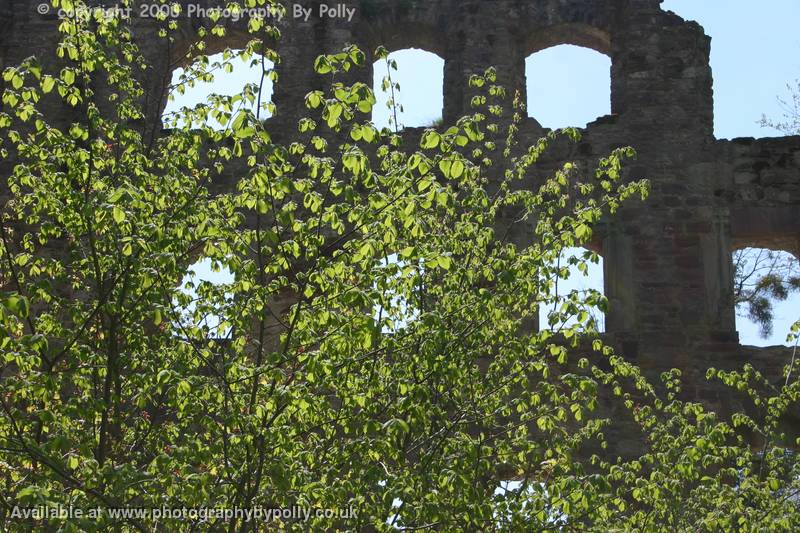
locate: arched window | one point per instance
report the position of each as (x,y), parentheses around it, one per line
(585,281)
(568,85)
(767,295)
(226,74)
(420,99)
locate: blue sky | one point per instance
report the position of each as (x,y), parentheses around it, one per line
(755,53)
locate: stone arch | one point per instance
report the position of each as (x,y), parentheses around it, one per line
(178,53)
(396,29)
(577,34)
(559,95)
(236,36)
(585,35)
(399,26)
(775,228)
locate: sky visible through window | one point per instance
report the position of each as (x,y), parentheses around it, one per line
(568,86)
(225,83)
(755,53)
(421,78)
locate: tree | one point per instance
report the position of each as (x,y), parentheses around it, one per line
(791,116)
(336,379)
(763,277)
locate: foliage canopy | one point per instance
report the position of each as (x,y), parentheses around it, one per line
(373,351)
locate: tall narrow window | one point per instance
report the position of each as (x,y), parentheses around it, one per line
(568,86)
(203,299)
(584,283)
(419,100)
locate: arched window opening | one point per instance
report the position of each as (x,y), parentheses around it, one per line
(420,98)
(568,85)
(225,74)
(583,283)
(202,299)
(766,292)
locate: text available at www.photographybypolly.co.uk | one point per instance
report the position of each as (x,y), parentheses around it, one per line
(203,514)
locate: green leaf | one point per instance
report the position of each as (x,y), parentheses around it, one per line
(119,214)
(314,99)
(446,166)
(48,82)
(17,305)
(430,139)
(183,387)
(323,65)
(457,169)
(245,133)
(68,76)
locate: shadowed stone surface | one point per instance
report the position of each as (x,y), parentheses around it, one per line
(668,270)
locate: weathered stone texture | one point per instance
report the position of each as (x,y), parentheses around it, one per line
(668,272)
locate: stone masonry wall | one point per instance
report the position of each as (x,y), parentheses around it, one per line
(668,271)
